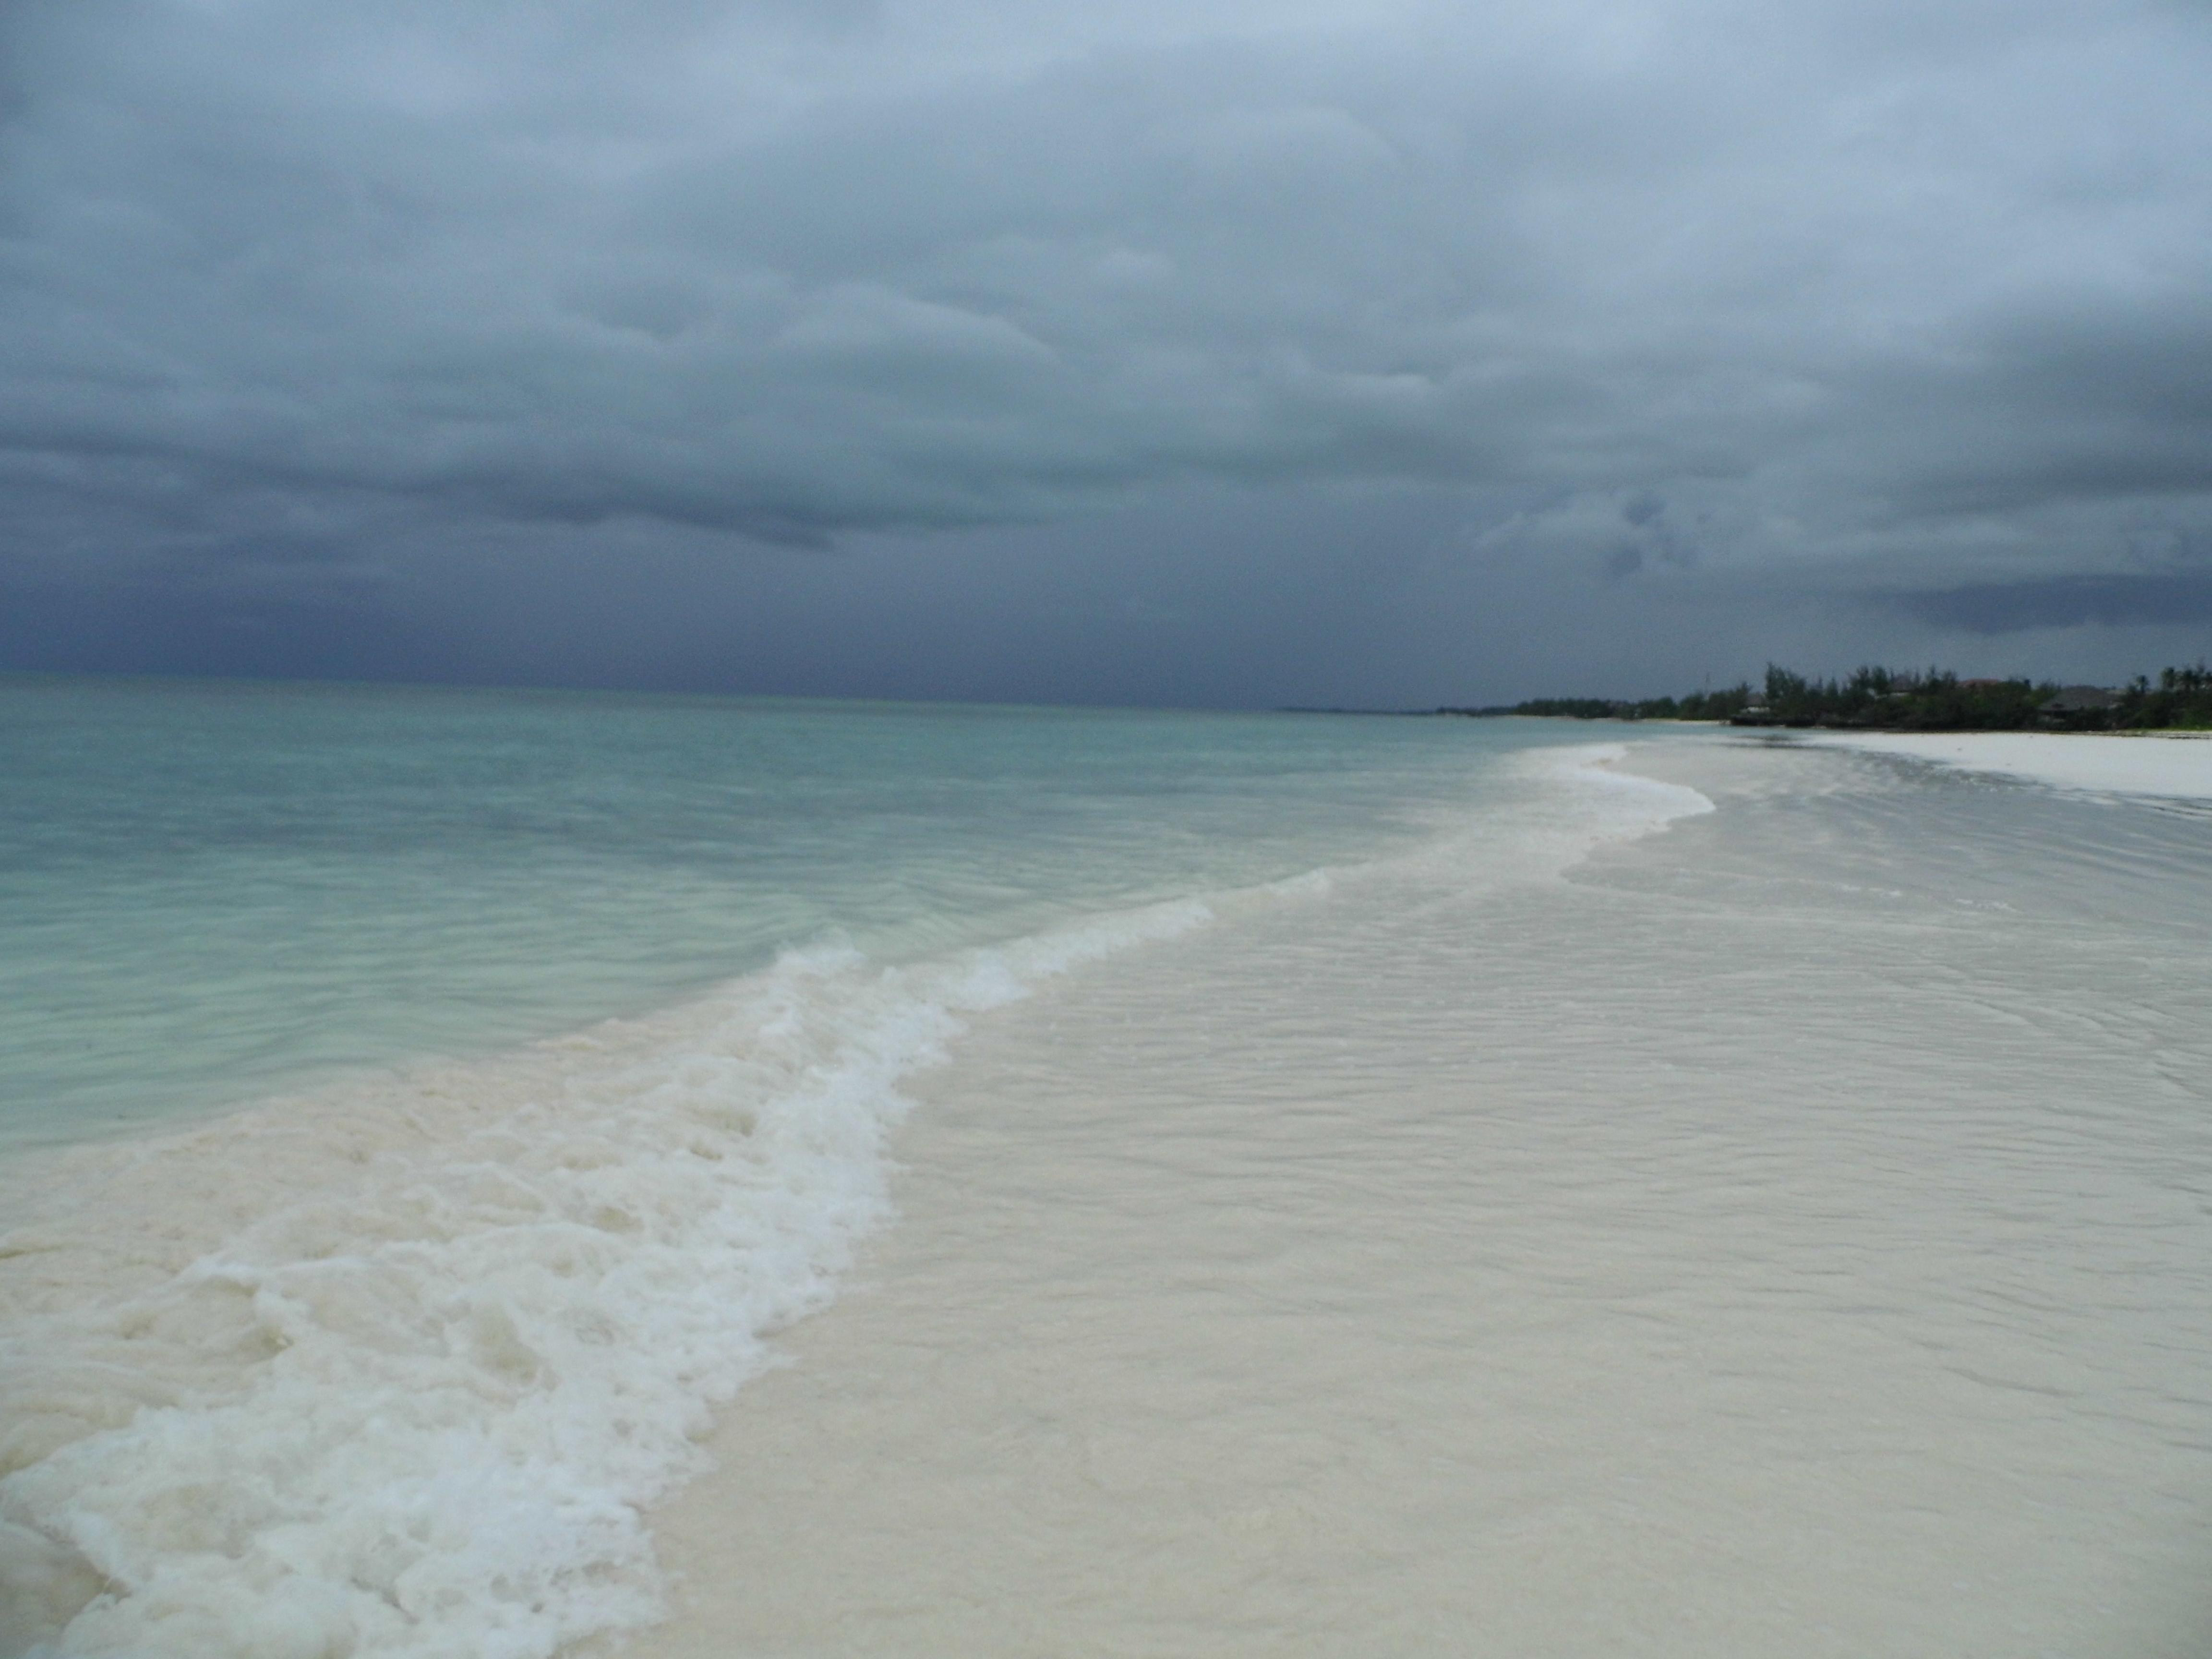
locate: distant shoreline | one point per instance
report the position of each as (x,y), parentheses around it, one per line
(2186,733)
(1907,701)
(2177,731)
(2065,760)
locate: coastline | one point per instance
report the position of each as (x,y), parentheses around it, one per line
(2176,765)
(392,1367)
(1515,1240)
(1555,1268)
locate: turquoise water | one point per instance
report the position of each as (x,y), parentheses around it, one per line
(1834,1154)
(210,891)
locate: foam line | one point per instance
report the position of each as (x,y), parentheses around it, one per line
(395,1372)
(418,1412)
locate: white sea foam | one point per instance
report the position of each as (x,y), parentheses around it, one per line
(1785,1236)
(413,1405)
(393,1370)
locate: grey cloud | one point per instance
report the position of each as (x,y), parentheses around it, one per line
(1407,253)
(2065,602)
(1666,294)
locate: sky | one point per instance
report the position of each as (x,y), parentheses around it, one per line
(1225,353)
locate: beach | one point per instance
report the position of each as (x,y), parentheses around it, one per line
(1699,1196)
(1777,1235)
(1007,830)
(2162,765)
(427,1107)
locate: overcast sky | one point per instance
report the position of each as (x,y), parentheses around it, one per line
(1211,351)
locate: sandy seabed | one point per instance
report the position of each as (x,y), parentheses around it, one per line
(1787,1234)
(1754,1200)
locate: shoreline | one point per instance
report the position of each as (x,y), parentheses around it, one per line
(1322,1277)
(452,1329)
(2179,768)
(1556,1270)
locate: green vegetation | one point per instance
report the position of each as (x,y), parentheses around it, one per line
(1891,700)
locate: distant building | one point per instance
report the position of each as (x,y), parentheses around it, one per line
(2082,700)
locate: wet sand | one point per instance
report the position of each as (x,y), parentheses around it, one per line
(1787,1234)
(2176,764)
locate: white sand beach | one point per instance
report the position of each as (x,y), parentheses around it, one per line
(1720,1198)
(2177,764)
(1784,1235)
(826,833)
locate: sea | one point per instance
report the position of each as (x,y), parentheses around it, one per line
(503,1174)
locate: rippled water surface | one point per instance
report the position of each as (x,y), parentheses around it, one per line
(209,890)
(1705,1198)
(1789,1235)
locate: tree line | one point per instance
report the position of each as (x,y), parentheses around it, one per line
(1903,700)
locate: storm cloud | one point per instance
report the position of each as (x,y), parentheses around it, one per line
(1866,314)
(2067,601)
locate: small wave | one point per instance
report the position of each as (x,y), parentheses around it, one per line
(415,1408)
(395,1371)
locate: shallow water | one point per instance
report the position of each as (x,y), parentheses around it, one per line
(1790,1234)
(1785,1233)
(210,891)
(388,1362)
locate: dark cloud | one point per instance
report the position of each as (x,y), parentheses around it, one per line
(2065,602)
(1690,305)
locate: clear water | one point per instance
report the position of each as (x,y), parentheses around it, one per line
(1784,1233)
(395,1360)
(1787,1235)
(210,891)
